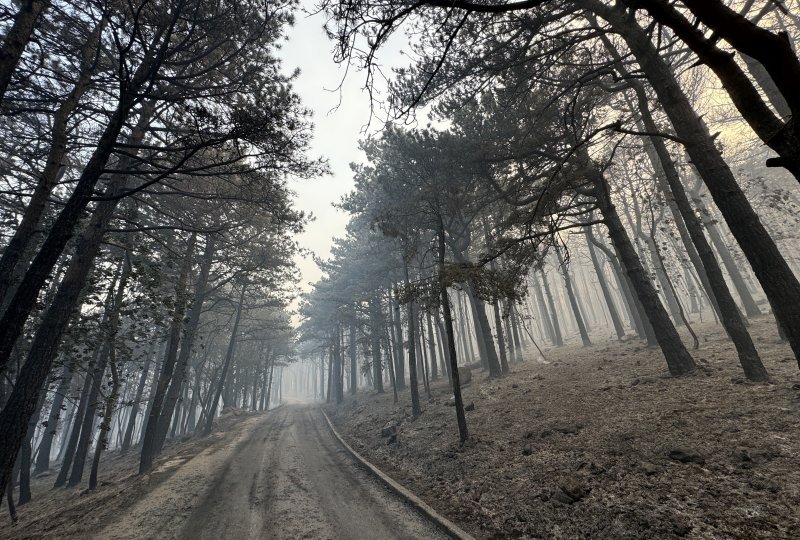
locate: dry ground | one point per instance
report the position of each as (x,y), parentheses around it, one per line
(601,443)
(74,513)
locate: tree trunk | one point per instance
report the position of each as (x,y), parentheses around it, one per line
(157,426)
(482,324)
(21,242)
(399,361)
(337,365)
(63,228)
(559,340)
(679,361)
(432,347)
(573,302)
(773,52)
(374,333)
(225,366)
(501,341)
(17,39)
(461,419)
(412,355)
(601,279)
(354,356)
(729,312)
(187,343)
(776,277)
(111,400)
(126,441)
(75,432)
(46,446)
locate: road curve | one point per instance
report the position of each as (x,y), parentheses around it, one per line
(291,479)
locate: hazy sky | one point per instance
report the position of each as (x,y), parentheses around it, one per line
(337,131)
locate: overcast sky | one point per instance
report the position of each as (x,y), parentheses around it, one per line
(337,131)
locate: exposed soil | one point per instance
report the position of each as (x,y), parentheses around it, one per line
(601,443)
(77,513)
(279,474)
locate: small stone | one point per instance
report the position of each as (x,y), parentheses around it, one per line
(763,484)
(562,497)
(568,429)
(742,454)
(596,469)
(649,469)
(686,455)
(389,429)
(681,529)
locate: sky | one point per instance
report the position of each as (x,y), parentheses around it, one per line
(340,116)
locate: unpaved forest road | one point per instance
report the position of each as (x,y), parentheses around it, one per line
(287,477)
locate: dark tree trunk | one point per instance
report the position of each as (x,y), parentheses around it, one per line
(74,436)
(446,350)
(215,396)
(601,279)
(559,340)
(269,384)
(156,428)
(48,335)
(390,357)
(46,446)
(515,333)
(111,399)
(679,361)
(20,243)
(461,419)
(337,365)
(482,323)
(501,341)
(87,422)
(354,356)
(27,455)
(431,347)
(776,277)
(375,338)
(398,350)
(477,329)
(17,38)
(751,309)
(62,231)
(573,302)
(44,347)
(126,441)
(192,323)
(773,52)
(729,312)
(544,315)
(412,355)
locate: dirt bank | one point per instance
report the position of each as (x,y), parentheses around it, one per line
(601,443)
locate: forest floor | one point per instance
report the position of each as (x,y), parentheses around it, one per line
(599,442)
(274,475)
(76,513)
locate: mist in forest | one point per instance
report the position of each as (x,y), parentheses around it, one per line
(391,269)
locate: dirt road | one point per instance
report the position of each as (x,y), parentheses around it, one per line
(284,477)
